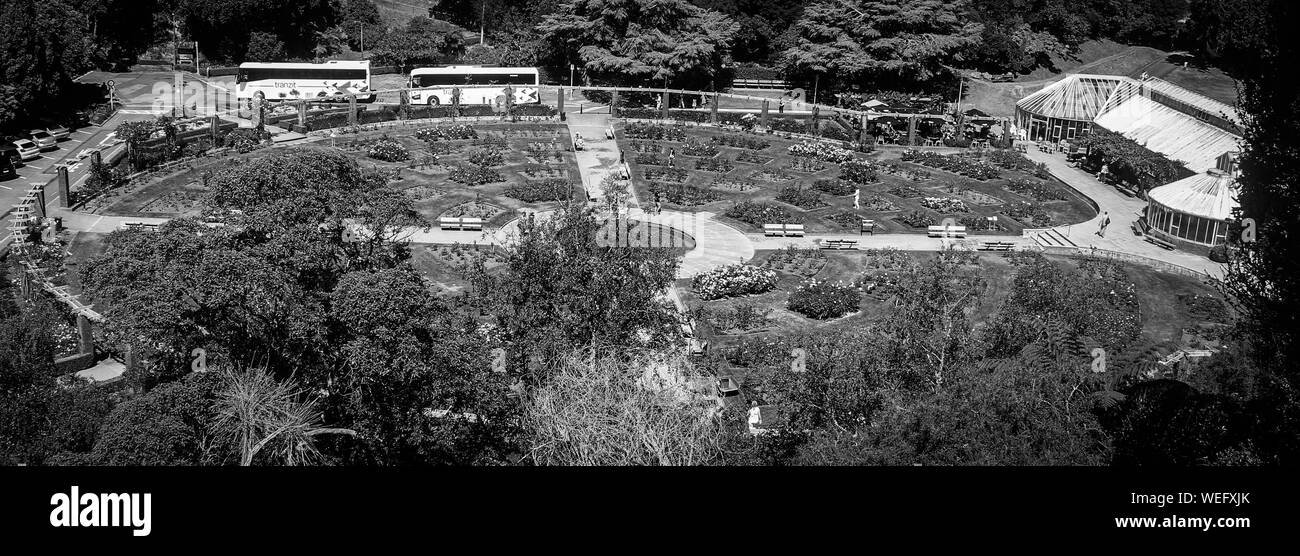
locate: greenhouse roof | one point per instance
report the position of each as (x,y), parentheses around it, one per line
(1076,97)
(1209,195)
(1196,144)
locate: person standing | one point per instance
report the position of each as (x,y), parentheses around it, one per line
(1105,221)
(780,108)
(857,196)
(672,157)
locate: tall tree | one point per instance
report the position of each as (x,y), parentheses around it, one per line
(642,42)
(421,41)
(44,45)
(889,43)
(1264,277)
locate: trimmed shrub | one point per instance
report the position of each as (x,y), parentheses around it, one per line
(800,197)
(534,191)
(474,175)
(486,158)
(835,187)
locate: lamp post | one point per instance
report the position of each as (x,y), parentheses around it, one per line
(571,68)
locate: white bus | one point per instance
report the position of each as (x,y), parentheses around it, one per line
(289,81)
(434,85)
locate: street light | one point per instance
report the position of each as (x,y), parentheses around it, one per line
(571,68)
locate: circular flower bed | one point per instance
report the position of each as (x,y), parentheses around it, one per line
(732,281)
(825,300)
(461,131)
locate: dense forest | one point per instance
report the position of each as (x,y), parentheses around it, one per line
(320,350)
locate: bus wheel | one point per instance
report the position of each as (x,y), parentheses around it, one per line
(433,100)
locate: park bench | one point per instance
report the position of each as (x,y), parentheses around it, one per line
(839,244)
(1139,227)
(1159,242)
(958,232)
(997,246)
(140,226)
(868,226)
(760,84)
(466,224)
(783,230)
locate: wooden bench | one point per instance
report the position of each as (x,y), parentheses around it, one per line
(839,244)
(1160,242)
(1139,227)
(140,226)
(997,246)
(868,226)
(466,224)
(760,84)
(958,232)
(783,230)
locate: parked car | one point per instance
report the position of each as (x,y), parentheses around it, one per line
(27,149)
(44,140)
(59,132)
(7,170)
(9,151)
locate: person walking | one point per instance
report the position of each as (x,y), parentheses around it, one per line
(672,158)
(1105,221)
(780,108)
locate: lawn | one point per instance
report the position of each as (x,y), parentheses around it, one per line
(753,179)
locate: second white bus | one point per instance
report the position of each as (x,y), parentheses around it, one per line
(434,86)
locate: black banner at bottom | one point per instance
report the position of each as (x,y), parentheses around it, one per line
(125,506)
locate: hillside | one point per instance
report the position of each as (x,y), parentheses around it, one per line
(1105,58)
(399,11)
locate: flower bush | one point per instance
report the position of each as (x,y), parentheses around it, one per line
(917,219)
(800,197)
(821,151)
(808,165)
(698,148)
(1037,190)
(835,187)
(656,132)
(1029,213)
(445,133)
(649,158)
(905,191)
(719,165)
(859,171)
(788,125)
(681,194)
(474,175)
(733,281)
(742,142)
(759,213)
(677,175)
(533,191)
(752,158)
(824,300)
(388,150)
(974,169)
(944,204)
(486,158)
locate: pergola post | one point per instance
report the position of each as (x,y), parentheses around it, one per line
(559,105)
(613,104)
(302,113)
(352,109)
(862,131)
(214,125)
(763,117)
(664,109)
(713,109)
(911,131)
